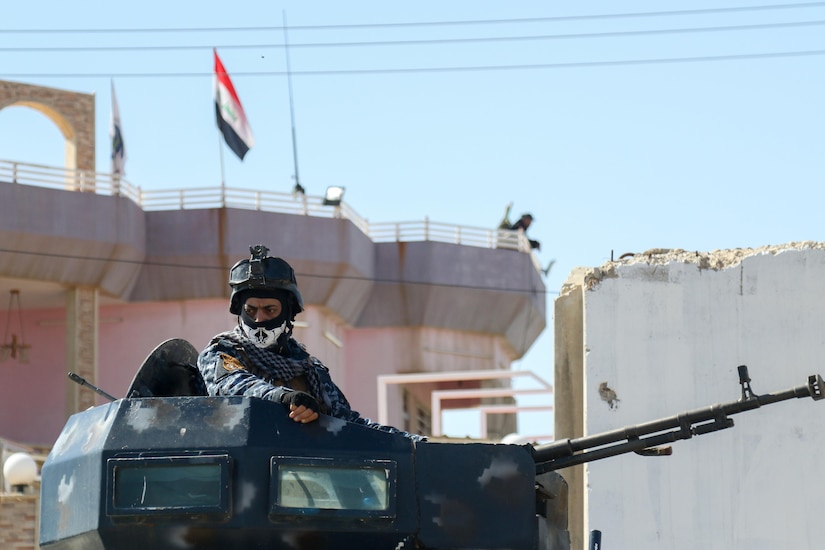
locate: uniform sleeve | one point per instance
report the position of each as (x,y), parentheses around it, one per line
(225,375)
(340,407)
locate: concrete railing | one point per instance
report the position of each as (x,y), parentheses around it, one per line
(268,201)
(67,179)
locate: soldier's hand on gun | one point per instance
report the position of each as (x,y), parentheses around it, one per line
(302,406)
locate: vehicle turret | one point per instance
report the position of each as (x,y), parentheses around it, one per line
(168,467)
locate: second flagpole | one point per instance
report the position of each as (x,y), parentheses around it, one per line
(223,180)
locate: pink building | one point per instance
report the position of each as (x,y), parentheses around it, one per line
(104,273)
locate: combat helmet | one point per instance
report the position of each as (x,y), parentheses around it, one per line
(261,272)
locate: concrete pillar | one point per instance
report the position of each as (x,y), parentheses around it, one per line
(569,386)
(81,346)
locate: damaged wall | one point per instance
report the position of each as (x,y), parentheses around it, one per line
(663,332)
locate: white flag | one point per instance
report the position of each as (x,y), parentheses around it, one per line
(116,135)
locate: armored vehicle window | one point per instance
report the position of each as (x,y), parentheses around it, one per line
(362,486)
(194,484)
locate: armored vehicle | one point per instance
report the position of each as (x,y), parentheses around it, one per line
(168,467)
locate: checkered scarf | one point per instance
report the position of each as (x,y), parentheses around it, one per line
(292,361)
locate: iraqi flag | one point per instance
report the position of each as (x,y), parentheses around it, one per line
(232,120)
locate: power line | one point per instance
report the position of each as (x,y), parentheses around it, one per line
(418,70)
(669,13)
(433,41)
(200,267)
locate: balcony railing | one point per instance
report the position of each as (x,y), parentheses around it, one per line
(268,201)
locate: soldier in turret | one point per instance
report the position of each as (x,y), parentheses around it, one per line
(260,358)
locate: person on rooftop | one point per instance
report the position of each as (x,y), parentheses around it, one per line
(522,224)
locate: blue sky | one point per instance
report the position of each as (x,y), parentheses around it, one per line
(621,126)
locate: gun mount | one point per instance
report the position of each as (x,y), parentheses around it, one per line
(168,467)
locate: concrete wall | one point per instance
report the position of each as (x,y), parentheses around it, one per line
(666,330)
(67,238)
(70,238)
(568,403)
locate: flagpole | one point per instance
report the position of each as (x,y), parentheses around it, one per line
(220,134)
(115,178)
(220,154)
(298,187)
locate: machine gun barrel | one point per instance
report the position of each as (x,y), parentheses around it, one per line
(644,438)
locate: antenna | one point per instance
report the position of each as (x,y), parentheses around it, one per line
(298,187)
(82,381)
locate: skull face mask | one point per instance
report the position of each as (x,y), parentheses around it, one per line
(267,333)
(264,334)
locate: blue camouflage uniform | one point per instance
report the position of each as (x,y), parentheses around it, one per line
(232,365)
